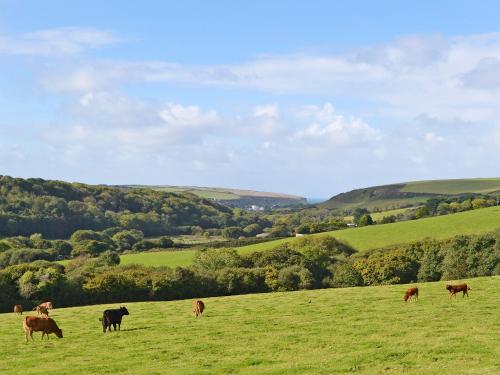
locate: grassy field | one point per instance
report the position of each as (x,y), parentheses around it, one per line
(460,186)
(179,258)
(372,237)
(219,193)
(332,331)
(366,238)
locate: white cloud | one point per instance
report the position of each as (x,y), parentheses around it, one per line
(335,129)
(55,42)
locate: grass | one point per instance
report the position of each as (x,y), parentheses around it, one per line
(178,258)
(439,227)
(363,239)
(459,186)
(332,331)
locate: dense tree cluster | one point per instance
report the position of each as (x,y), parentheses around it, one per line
(57,209)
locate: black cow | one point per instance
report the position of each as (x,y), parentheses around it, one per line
(113,317)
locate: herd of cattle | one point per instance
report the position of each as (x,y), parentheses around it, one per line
(113,317)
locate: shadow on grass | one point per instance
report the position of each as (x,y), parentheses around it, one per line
(135,329)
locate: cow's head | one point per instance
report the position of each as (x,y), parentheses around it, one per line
(124,310)
(448,287)
(59,333)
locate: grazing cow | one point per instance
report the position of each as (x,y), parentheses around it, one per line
(113,317)
(198,307)
(45,325)
(411,293)
(18,309)
(42,310)
(454,289)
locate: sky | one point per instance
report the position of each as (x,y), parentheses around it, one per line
(309,98)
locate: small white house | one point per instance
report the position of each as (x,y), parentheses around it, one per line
(263,235)
(299,235)
(351,225)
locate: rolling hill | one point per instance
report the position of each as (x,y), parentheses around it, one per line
(362,330)
(233,197)
(388,197)
(363,239)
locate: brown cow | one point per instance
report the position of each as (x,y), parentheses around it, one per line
(42,310)
(198,307)
(45,325)
(18,309)
(454,289)
(411,293)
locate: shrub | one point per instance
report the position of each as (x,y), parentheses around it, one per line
(346,275)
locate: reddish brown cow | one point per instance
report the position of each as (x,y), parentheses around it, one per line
(454,289)
(18,309)
(198,307)
(45,325)
(411,293)
(42,310)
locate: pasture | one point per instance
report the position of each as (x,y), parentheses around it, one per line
(363,239)
(457,186)
(366,330)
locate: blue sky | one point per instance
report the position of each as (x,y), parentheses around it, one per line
(311,98)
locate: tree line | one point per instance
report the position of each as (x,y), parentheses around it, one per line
(308,263)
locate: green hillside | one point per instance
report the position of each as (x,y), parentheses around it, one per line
(235,197)
(387,197)
(361,330)
(365,238)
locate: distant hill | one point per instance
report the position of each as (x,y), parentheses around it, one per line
(387,197)
(232,197)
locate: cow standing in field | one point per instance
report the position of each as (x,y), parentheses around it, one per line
(198,307)
(42,310)
(454,289)
(18,309)
(45,325)
(411,293)
(113,317)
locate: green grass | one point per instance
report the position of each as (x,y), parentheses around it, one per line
(372,237)
(332,331)
(363,239)
(179,258)
(459,186)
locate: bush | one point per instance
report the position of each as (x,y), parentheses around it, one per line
(346,275)
(365,220)
(144,245)
(91,247)
(232,232)
(165,242)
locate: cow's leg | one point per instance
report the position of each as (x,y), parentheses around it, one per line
(114,326)
(31,335)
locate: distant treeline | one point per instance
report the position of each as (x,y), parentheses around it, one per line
(309,263)
(57,209)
